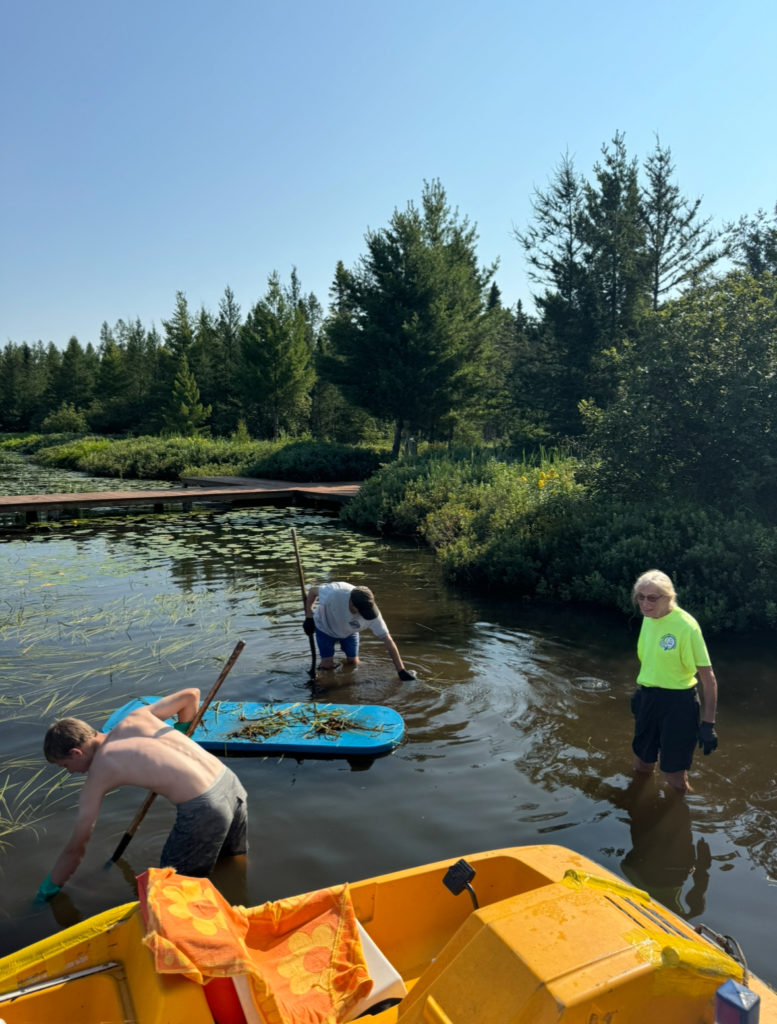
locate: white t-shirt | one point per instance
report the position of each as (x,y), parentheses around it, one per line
(333,616)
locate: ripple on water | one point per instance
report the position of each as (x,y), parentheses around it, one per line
(590,684)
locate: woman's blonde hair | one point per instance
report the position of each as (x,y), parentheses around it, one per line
(659,580)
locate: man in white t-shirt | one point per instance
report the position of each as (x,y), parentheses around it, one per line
(336,612)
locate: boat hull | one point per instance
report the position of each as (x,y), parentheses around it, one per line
(556,938)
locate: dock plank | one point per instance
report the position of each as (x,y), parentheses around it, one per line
(221,490)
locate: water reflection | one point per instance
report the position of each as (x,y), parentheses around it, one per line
(64,910)
(663,855)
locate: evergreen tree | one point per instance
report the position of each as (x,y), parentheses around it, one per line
(500,387)
(144,392)
(25,386)
(752,243)
(277,367)
(109,410)
(74,382)
(562,351)
(555,244)
(204,355)
(679,247)
(332,416)
(607,251)
(179,329)
(695,410)
(615,237)
(409,336)
(185,414)
(227,408)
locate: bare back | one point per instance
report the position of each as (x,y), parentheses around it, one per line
(143,751)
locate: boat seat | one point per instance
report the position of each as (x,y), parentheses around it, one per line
(387,984)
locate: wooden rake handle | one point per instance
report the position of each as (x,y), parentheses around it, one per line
(312,669)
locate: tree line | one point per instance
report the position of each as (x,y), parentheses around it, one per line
(653,347)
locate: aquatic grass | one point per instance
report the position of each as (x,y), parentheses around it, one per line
(28,800)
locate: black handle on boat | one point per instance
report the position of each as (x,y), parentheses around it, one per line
(125,839)
(457,879)
(312,669)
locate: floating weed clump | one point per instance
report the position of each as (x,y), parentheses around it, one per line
(318,721)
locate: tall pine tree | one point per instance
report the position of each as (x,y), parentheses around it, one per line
(185,414)
(679,247)
(409,334)
(277,363)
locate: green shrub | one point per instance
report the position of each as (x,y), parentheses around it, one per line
(27,444)
(317,460)
(72,453)
(66,419)
(169,458)
(534,531)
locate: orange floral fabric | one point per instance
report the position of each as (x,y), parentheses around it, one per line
(302,955)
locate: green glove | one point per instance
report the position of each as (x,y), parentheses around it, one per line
(47,890)
(181,726)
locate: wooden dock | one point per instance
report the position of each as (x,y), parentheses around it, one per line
(229,491)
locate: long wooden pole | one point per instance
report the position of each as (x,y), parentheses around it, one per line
(125,839)
(312,669)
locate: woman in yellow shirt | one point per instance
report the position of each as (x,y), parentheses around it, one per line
(671,651)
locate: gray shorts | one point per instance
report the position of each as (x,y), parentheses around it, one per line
(207,827)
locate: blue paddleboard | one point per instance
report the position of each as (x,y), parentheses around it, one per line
(312,729)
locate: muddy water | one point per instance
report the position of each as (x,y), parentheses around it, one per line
(518,727)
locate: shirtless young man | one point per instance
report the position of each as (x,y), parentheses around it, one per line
(141,750)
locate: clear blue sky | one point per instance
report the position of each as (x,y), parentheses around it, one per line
(151,146)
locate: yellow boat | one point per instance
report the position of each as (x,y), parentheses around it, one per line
(524,935)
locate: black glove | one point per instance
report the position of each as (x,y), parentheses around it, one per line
(708,738)
(406,675)
(309,625)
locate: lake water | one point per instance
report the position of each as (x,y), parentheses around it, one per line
(518,727)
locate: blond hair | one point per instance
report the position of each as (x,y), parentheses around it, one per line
(660,581)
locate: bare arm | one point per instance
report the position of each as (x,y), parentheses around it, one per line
(184,703)
(75,848)
(393,652)
(710,688)
(310,600)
